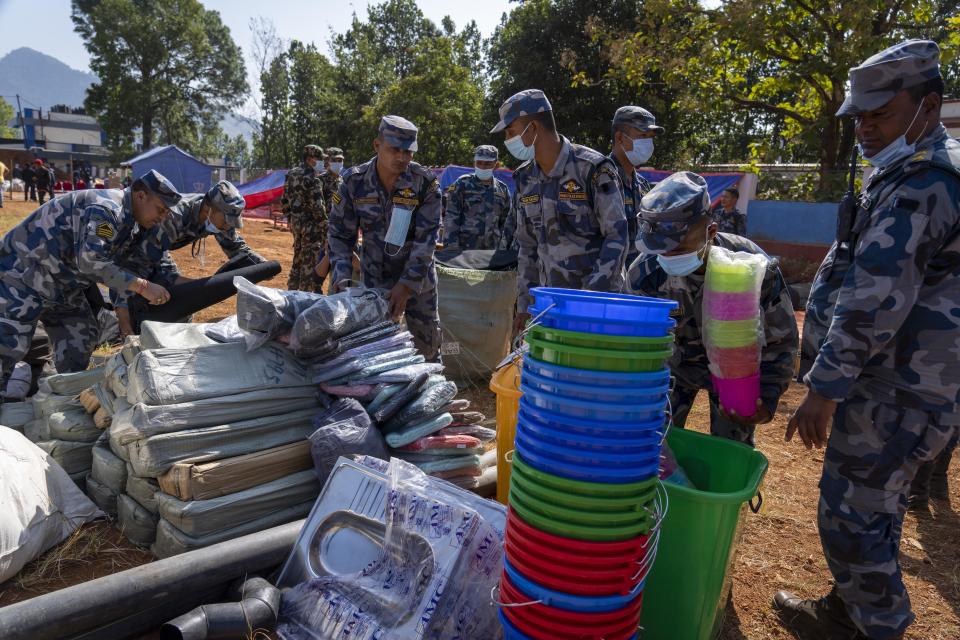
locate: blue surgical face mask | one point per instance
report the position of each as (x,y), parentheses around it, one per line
(483,174)
(896,150)
(336,167)
(211,228)
(519,150)
(685,263)
(640,152)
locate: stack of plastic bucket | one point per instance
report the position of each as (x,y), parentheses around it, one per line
(585,498)
(731,319)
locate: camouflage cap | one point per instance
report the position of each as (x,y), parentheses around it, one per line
(875,82)
(225,198)
(485,152)
(334,152)
(636,117)
(525,103)
(399,132)
(668,210)
(160,187)
(312,151)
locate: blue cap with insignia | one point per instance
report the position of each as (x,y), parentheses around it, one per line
(667,211)
(485,152)
(225,198)
(524,103)
(399,132)
(160,187)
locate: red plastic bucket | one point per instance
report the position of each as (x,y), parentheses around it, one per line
(542,622)
(600,568)
(579,551)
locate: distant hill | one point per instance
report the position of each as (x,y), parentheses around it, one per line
(43,81)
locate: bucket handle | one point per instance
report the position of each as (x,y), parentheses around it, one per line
(508,456)
(667,421)
(495,599)
(759,499)
(533,322)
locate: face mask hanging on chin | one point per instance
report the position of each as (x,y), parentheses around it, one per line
(896,150)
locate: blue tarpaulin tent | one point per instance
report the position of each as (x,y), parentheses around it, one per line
(187,174)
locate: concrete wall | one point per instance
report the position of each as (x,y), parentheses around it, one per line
(802,230)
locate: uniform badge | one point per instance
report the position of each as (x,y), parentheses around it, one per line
(531,199)
(105,231)
(452,188)
(406,196)
(571,190)
(336,197)
(366,200)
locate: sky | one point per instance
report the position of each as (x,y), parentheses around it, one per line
(45,25)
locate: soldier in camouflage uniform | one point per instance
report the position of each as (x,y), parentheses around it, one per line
(330,178)
(67,245)
(571,228)
(302,202)
(479,207)
(726,214)
(395,203)
(197,216)
(884,320)
(633,131)
(675,227)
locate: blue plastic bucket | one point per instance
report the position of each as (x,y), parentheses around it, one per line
(550,435)
(596,428)
(534,457)
(556,320)
(591,410)
(600,305)
(561,600)
(595,393)
(590,457)
(590,377)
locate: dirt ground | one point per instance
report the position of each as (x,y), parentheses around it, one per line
(779,548)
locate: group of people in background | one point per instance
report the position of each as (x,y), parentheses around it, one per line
(39,179)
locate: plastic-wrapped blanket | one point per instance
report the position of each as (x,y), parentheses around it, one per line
(173,335)
(411,432)
(142,490)
(16,414)
(428,404)
(75,425)
(345,429)
(335,316)
(143,420)
(264,313)
(70,384)
(403,374)
(154,455)
(367,365)
(203,517)
(108,469)
(138,524)
(74,457)
(102,495)
(398,399)
(170,376)
(227,330)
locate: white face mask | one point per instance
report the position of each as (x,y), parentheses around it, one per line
(483,174)
(685,263)
(211,228)
(519,150)
(894,151)
(640,151)
(399,225)
(336,167)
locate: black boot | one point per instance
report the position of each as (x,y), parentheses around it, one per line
(939,487)
(919,498)
(823,619)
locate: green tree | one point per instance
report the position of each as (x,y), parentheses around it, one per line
(161,64)
(6,115)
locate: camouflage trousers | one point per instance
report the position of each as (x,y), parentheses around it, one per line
(308,239)
(72,328)
(681,400)
(873,453)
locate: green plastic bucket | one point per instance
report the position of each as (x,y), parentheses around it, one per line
(597,359)
(601,340)
(689,585)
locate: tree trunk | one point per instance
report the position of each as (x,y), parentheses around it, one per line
(147,129)
(829,143)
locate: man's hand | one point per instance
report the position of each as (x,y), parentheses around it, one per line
(123,319)
(155,294)
(322,270)
(399,296)
(183,280)
(520,322)
(812,420)
(762,415)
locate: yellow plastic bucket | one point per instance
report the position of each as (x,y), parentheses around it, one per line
(505,383)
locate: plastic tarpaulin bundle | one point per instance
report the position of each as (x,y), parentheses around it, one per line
(74,457)
(16,414)
(403,374)
(367,365)
(264,313)
(102,495)
(70,384)
(173,335)
(42,506)
(107,469)
(105,396)
(138,524)
(170,376)
(358,338)
(439,560)
(142,490)
(391,343)
(204,517)
(227,330)
(171,541)
(154,455)
(433,464)
(75,425)
(130,349)
(115,377)
(347,430)
(335,316)
(475,310)
(144,420)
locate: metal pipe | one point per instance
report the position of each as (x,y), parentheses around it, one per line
(258,609)
(134,594)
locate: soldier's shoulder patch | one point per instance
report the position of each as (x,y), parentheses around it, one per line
(571,190)
(533,198)
(452,188)
(105,230)
(336,198)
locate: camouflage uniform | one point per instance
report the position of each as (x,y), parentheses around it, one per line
(571,228)
(689,362)
(331,181)
(478,211)
(884,318)
(730,221)
(48,260)
(362,205)
(635,186)
(302,202)
(151,258)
